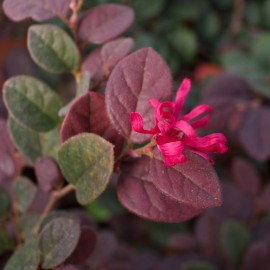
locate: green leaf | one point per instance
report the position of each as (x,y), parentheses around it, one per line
(161,232)
(34,144)
(24,191)
(265,13)
(235,239)
(198,266)
(6,243)
(5,204)
(25,258)
(56,214)
(58,240)
(86,161)
(147,9)
(32,103)
(184,42)
(52,48)
(105,206)
(247,67)
(260,49)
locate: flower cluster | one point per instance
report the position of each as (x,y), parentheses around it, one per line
(174,133)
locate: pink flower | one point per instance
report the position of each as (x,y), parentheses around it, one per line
(174,133)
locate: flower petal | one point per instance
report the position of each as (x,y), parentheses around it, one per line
(171,148)
(213,143)
(164,110)
(154,103)
(181,96)
(201,122)
(197,112)
(186,128)
(172,161)
(137,124)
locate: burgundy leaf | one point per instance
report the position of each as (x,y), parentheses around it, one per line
(48,174)
(85,247)
(139,77)
(38,10)
(88,114)
(171,194)
(246,176)
(105,22)
(106,246)
(236,203)
(254,133)
(224,95)
(6,143)
(257,256)
(94,65)
(67,267)
(207,231)
(129,227)
(24,64)
(11,161)
(263,201)
(146,260)
(113,51)
(183,242)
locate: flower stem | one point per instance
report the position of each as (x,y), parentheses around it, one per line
(55,196)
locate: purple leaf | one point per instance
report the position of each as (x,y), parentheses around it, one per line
(170,194)
(254,133)
(113,51)
(24,64)
(246,176)
(236,203)
(6,144)
(94,65)
(88,114)
(263,202)
(105,22)
(183,242)
(38,10)
(207,231)
(223,95)
(85,247)
(67,267)
(139,77)
(106,246)
(257,256)
(48,174)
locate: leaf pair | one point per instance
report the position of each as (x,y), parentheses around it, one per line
(33,108)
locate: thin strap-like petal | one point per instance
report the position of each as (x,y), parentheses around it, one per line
(201,122)
(197,112)
(137,124)
(186,128)
(181,95)
(164,110)
(213,143)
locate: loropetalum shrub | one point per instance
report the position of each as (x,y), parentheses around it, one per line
(133,130)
